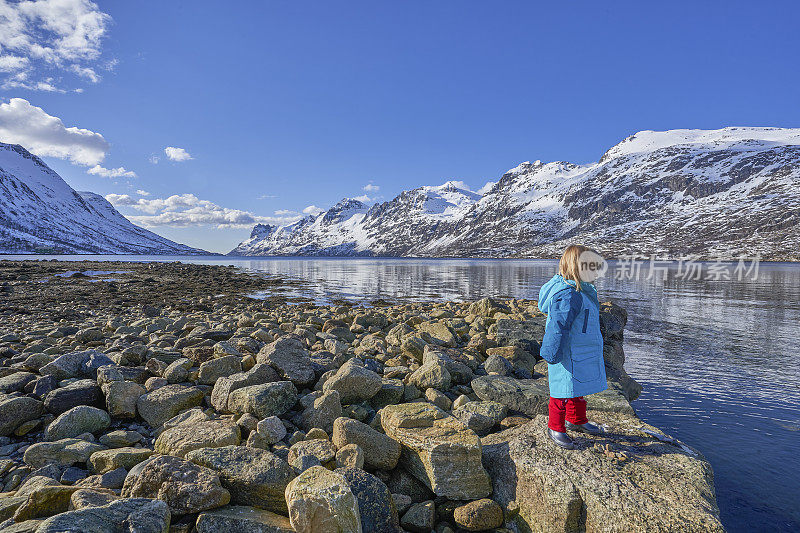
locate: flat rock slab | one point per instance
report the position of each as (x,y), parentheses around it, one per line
(531,396)
(438,449)
(634,478)
(242,519)
(612,400)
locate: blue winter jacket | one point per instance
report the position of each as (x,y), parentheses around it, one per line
(572,344)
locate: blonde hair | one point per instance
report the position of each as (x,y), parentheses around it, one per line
(569,264)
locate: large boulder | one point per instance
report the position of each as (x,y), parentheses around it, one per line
(15,411)
(311,452)
(15,382)
(375,503)
(269,399)
(432,374)
(520,359)
(76,421)
(320,501)
(481,417)
(253,476)
(488,307)
(323,412)
(65,452)
(479,515)
(184,438)
(353,382)
(290,359)
(526,334)
(76,364)
(438,333)
(45,501)
(242,519)
(438,449)
(634,478)
(612,323)
(380,451)
(141,515)
(529,396)
(224,386)
(160,405)
(81,392)
(212,370)
(107,460)
(121,398)
(186,487)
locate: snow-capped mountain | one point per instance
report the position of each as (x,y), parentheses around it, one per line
(709,193)
(39,212)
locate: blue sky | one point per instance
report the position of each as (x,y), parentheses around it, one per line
(286,105)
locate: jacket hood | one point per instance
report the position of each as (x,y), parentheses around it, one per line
(558,284)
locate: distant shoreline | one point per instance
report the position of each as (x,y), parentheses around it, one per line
(5,257)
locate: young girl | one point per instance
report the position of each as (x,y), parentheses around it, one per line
(572,345)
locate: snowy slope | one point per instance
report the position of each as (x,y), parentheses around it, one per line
(39,212)
(708,193)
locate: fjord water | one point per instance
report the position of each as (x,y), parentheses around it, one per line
(719,359)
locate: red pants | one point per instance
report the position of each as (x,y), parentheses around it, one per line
(572,409)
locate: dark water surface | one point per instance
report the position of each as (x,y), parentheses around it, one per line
(719,359)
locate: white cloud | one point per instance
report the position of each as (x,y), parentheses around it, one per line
(183,210)
(313,210)
(154,159)
(46,135)
(267,197)
(12,63)
(141,192)
(120,199)
(369,187)
(85,72)
(177,154)
(285,212)
(111,172)
(363,198)
(49,36)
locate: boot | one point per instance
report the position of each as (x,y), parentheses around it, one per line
(561,439)
(588,427)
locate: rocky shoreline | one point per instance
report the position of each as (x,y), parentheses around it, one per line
(167,400)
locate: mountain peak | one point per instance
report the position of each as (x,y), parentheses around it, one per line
(661,193)
(724,138)
(40,212)
(262,230)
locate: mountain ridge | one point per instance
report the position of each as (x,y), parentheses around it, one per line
(703,193)
(41,213)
